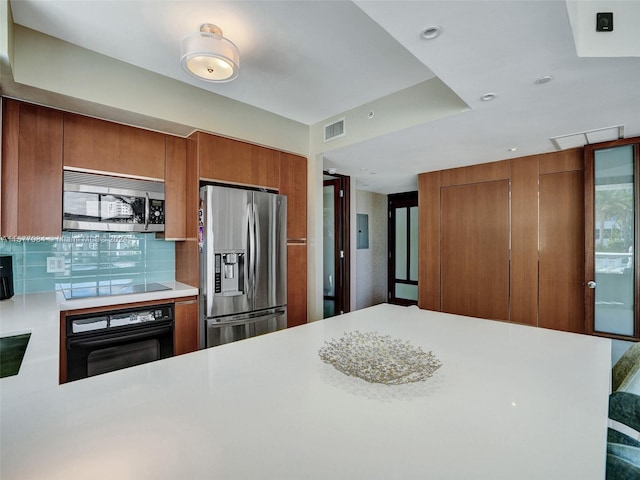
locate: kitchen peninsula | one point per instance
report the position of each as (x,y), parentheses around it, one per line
(509,401)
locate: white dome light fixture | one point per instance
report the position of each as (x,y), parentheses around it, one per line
(208,56)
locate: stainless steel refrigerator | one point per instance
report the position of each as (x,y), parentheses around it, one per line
(243,264)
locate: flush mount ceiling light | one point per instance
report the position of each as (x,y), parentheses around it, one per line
(208,56)
(431,32)
(487,97)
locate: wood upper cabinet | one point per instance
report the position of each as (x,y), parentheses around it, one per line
(98,145)
(226,160)
(31,190)
(175,189)
(293,184)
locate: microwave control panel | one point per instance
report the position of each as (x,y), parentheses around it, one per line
(156,211)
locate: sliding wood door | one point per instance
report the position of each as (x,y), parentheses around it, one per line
(475,249)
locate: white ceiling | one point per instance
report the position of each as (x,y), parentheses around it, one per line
(312,60)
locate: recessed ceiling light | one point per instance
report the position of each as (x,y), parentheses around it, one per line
(543,80)
(513,149)
(431,32)
(487,97)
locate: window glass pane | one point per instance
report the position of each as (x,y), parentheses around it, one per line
(329,241)
(408,292)
(614,240)
(401,243)
(413,245)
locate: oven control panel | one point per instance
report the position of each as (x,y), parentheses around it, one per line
(120,318)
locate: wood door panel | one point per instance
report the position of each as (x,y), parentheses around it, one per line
(475,249)
(296,284)
(561,244)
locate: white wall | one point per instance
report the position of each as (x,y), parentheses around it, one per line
(371,263)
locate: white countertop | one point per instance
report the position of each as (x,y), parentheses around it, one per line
(39,314)
(509,402)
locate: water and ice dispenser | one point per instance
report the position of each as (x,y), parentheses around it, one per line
(229,273)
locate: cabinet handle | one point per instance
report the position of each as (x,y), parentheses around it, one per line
(591,284)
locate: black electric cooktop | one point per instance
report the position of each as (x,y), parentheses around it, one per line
(107,290)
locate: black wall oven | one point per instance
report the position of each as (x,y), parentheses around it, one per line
(107,341)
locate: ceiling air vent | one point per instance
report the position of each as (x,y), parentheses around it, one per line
(334,130)
(588,137)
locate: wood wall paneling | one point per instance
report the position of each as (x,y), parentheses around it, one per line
(486,172)
(429,241)
(562,265)
(524,241)
(475,249)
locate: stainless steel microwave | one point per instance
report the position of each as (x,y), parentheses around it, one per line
(111,204)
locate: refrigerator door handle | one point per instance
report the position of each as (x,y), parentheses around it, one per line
(257,240)
(251,241)
(210,257)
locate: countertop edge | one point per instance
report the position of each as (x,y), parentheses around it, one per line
(177,290)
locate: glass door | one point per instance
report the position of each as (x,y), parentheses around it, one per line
(611,266)
(403,248)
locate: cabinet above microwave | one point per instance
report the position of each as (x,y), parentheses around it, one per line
(112,204)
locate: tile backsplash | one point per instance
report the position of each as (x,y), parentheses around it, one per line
(89,259)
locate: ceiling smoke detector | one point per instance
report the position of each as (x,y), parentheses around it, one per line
(431,32)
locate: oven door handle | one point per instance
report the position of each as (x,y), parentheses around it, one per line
(117,338)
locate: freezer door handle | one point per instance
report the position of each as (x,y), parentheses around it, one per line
(244,319)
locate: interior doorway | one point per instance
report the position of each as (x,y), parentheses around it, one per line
(403,248)
(336,272)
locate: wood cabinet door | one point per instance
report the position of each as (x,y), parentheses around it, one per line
(185,337)
(296,284)
(101,146)
(175,189)
(226,160)
(293,184)
(31,170)
(475,249)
